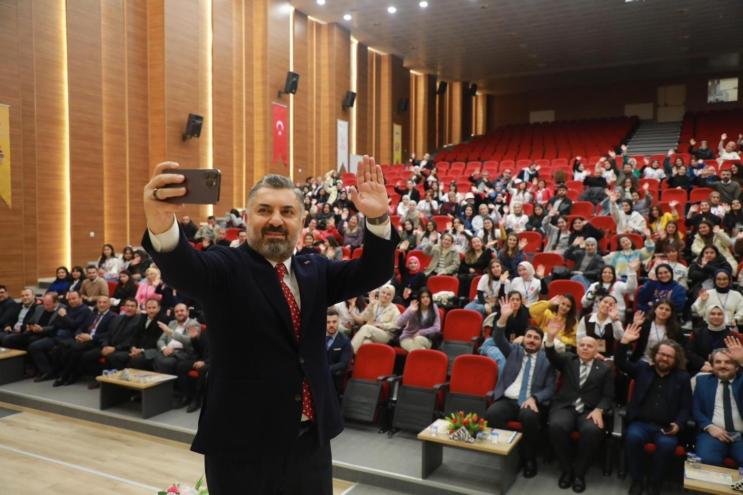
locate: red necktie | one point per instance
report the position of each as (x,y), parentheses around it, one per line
(307,408)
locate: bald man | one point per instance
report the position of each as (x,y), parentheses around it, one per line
(587,391)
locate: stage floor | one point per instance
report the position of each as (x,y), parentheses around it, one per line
(380,465)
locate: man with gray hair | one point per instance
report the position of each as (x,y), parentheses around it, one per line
(587,260)
(265,308)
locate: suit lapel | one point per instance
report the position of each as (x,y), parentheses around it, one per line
(303,271)
(268,281)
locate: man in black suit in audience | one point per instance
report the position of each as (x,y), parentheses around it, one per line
(339,351)
(23,317)
(143,350)
(9,309)
(266,311)
(587,390)
(66,358)
(524,388)
(40,325)
(118,339)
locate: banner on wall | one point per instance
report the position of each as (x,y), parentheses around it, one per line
(341,151)
(5,154)
(354,163)
(396,143)
(280,133)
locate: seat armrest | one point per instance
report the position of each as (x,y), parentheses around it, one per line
(619,422)
(441,386)
(383,378)
(393,378)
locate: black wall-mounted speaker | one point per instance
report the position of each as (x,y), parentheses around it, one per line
(291,83)
(349,100)
(193,126)
(442,88)
(472,89)
(402,105)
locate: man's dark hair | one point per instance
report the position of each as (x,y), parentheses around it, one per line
(2,287)
(91,266)
(333,312)
(679,361)
(274,181)
(211,217)
(536,330)
(127,299)
(72,292)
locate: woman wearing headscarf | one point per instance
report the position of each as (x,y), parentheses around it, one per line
(412,278)
(722,296)
(528,283)
(713,235)
(661,286)
(702,270)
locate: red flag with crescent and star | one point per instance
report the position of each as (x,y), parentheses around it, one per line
(280,134)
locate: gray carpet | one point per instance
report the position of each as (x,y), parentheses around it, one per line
(7,412)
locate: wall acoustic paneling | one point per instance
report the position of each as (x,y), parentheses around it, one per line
(278,48)
(13,255)
(362,104)
(400,90)
(302,100)
(257,100)
(52,131)
(86,128)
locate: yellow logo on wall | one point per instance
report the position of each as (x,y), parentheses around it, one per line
(5,154)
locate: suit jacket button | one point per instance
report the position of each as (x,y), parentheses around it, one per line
(298,398)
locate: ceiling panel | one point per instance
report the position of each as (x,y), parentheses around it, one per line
(502,43)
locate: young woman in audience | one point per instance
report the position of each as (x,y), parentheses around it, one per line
(528,283)
(722,295)
(702,270)
(670,236)
(558,237)
(109,263)
(610,285)
(713,235)
(513,317)
(349,313)
(579,170)
(733,219)
(412,277)
(429,238)
(490,234)
(657,220)
(536,219)
(490,288)
(671,256)
(77,277)
(420,323)
(125,289)
(468,214)
(604,325)
(409,234)
(520,193)
(661,287)
(541,193)
(626,255)
(62,282)
(511,254)
(476,259)
(127,255)
(460,234)
(559,312)
(353,233)
(659,324)
(139,264)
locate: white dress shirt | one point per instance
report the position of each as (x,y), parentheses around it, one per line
(718,417)
(512,392)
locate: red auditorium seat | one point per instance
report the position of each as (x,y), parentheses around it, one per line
(369,385)
(549,260)
(439,283)
(424,258)
(698,194)
(679,195)
(111,288)
(605,223)
(473,287)
(582,208)
(420,393)
(561,287)
(461,330)
(534,241)
(471,386)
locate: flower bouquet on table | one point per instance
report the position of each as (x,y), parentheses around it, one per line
(465,427)
(178,489)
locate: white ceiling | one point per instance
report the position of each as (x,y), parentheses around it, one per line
(507,45)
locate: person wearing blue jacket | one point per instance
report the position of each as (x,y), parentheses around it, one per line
(661,287)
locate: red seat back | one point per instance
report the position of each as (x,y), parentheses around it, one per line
(438,283)
(424,368)
(698,194)
(582,208)
(372,361)
(534,241)
(549,260)
(462,325)
(111,288)
(473,287)
(562,287)
(473,375)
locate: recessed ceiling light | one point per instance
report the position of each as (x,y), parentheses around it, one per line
(347,17)
(391,9)
(320,2)
(423,4)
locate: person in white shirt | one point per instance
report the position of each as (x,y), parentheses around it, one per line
(516,220)
(604,325)
(242,238)
(174,344)
(727,151)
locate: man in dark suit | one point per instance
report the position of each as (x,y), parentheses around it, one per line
(40,325)
(587,391)
(659,408)
(339,351)
(23,317)
(143,350)
(525,387)
(266,312)
(66,357)
(561,201)
(118,339)
(718,406)
(9,309)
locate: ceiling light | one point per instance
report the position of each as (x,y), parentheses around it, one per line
(423,4)
(347,17)
(391,9)
(320,2)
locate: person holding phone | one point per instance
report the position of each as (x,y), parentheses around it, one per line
(266,312)
(658,409)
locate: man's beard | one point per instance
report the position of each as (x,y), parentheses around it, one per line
(274,249)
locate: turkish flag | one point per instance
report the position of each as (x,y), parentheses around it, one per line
(280,134)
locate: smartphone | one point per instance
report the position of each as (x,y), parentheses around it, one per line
(202,186)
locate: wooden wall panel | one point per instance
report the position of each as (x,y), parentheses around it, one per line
(139,161)
(85,128)
(52,184)
(302,113)
(340,81)
(257,103)
(113,86)
(362,100)
(400,89)
(223,99)
(13,262)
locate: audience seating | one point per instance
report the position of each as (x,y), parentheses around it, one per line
(549,260)
(534,241)
(473,380)
(369,385)
(562,287)
(439,283)
(420,393)
(461,331)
